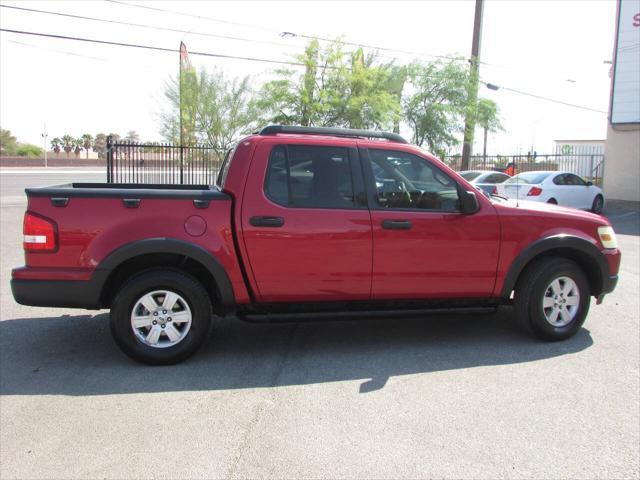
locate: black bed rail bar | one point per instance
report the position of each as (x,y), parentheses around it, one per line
(334,132)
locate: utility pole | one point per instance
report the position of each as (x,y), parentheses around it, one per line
(472,88)
(44,135)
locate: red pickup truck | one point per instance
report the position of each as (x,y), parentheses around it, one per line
(308,223)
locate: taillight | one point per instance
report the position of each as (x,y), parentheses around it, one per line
(494,191)
(39,234)
(534,192)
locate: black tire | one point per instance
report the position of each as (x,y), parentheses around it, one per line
(532,288)
(190,289)
(552,201)
(598,204)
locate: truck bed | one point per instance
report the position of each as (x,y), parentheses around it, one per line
(129,190)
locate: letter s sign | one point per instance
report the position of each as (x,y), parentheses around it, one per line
(636,20)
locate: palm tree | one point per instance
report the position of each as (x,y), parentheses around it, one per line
(55,145)
(488,117)
(68,143)
(78,143)
(87,142)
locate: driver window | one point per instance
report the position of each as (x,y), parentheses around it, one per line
(407,181)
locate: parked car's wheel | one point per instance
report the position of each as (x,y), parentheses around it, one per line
(161,316)
(552,201)
(552,298)
(598,204)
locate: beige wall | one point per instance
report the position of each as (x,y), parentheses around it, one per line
(622,163)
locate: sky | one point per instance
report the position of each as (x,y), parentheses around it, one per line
(554,49)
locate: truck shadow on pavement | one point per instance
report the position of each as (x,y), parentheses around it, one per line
(75,355)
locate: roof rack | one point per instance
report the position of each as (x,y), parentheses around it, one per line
(336,132)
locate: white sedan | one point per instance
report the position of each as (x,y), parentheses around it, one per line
(560,188)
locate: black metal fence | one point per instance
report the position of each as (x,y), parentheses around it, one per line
(590,167)
(161,163)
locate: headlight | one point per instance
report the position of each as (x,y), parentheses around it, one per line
(607,237)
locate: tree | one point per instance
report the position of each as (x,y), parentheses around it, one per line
(77,144)
(220,111)
(100,145)
(87,143)
(336,89)
(488,117)
(435,106)
(132,136)
(68,142)
(28,150)
(8,143)
(55,145)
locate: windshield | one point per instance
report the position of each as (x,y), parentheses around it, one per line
(469,176)
(532,178)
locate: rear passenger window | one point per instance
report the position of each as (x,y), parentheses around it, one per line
(310,176)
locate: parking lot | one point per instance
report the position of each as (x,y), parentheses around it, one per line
(442,396)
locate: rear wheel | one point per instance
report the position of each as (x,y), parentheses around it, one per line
(552,298)
(598,204)
(160,316)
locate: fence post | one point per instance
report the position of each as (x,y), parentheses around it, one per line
(109,160)
(181,163)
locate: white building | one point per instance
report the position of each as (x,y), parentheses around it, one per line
(622,147)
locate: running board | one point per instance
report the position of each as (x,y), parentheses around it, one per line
(277,317)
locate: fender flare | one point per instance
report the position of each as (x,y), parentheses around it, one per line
(168,245)
(580,247)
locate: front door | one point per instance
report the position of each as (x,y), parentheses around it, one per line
(423,246)
(306,226)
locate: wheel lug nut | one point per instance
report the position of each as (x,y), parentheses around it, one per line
(155,323)
(155,314)
(164,311)
(168,319)
(162,325)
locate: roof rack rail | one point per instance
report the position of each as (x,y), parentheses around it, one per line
(337,132)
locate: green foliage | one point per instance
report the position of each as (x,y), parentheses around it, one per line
(68,143)
(435,106)
(56,144)
(8,143)
(100,145)
(132,136)
(336,89)
(488,115)
(216,110)
(28,150)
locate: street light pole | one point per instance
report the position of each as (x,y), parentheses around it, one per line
(44,137)
(472,88)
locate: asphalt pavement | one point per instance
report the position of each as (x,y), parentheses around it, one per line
(463,396)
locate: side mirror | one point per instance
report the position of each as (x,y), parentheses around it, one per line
(589,184)
(469,202)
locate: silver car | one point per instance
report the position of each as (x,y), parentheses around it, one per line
(485,180)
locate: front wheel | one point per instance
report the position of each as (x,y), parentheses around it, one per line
(552,298)
(598,204)
(161,316)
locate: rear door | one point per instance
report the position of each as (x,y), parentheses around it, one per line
(424,247)
(305,221)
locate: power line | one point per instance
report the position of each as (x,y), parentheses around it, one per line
(161,28)
(284,34)
(151,47)
(540,97)
(142,25)
(59,51)
(199,17)
(254,59)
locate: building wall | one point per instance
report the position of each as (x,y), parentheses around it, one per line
(622,164)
